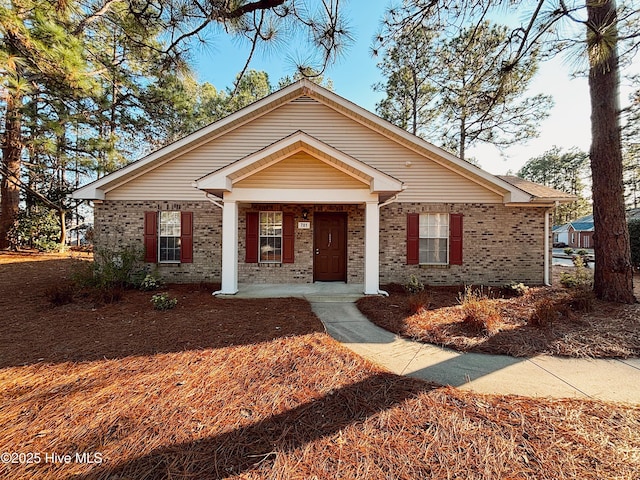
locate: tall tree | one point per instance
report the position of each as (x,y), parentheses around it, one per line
(36,50)
(606,27)
(564,171)
(89,66)
(631,149)
(455,91)
(407,67)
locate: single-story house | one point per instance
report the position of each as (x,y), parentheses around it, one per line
(561,235)
(304,186)
(577,233)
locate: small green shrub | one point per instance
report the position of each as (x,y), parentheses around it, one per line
(568,251)
(161,301)
(519,289)
(582,252)
(149,283)
(582,277)
(414,285)
(120,267)
(480,312)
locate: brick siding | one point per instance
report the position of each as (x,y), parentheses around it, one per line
(500,244)
(120,223)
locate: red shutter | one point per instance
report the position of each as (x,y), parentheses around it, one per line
(251,248)
(151,237)
(413,238)
(455,239)
(186,237)
(288,235)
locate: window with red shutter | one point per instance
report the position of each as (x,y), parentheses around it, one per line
(413,238)
(251,238)
(432,237)
(288,236)
(186,237)
(151,237)
(455,239)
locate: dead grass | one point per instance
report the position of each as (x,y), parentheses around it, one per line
(235,389)
(575,324)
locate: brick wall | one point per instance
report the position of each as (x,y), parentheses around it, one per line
(301,271)
(120,223)
(500,244)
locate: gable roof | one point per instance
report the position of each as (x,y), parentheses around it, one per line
(583,224)
(512,192)
(222,179)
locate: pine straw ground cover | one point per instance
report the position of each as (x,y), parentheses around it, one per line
(606,330)
(241,389)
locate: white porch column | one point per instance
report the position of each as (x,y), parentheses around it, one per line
(372,249)
(229,248)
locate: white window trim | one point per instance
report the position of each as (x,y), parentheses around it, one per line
(448,238)
(260,237)
(167,236)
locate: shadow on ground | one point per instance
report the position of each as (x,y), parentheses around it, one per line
(32,330)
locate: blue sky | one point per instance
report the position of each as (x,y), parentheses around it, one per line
(354,74)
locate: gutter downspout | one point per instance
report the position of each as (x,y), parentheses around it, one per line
(380,205)
(547,281)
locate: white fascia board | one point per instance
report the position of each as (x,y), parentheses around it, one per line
(300,195)
(88,192)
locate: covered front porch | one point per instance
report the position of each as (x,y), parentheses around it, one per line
(312,292)
(308,185)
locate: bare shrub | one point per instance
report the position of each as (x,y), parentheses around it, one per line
(60,294)
(480,312)
(582,300)
(419,302)
(546,311)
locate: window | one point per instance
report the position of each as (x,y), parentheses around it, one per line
(434,238)
(169,244)
(270,240)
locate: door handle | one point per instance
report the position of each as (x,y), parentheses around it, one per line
(329,240)
(317,251)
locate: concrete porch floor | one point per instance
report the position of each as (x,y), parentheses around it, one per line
(317,292)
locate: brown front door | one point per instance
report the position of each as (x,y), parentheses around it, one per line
(330,247)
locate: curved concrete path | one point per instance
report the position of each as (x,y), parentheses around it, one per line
(541,376)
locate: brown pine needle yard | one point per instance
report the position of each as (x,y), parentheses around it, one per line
(604,330)
(255,389)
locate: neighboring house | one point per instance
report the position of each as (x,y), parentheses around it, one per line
(575,234)
(304,186)
(561,235)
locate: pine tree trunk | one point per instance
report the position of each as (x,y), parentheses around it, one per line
(613,278)
(11,163)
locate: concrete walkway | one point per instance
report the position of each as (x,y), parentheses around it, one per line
(541,376)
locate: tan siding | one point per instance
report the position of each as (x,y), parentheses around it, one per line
(300,170)
(426,180)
